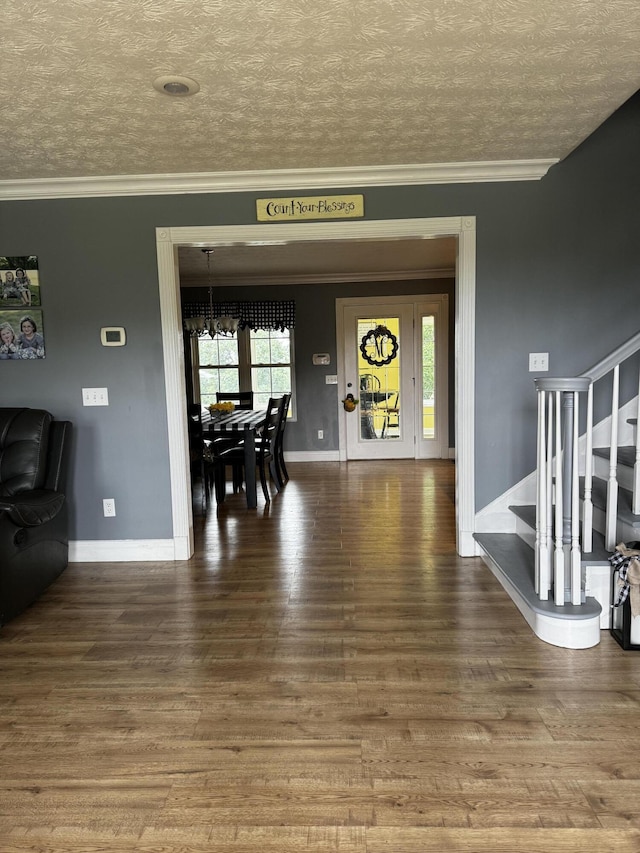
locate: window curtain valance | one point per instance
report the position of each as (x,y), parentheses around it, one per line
(271,315)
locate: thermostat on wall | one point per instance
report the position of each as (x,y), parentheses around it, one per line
(321,358)
(113,336)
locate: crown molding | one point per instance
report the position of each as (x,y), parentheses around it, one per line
(276,180)
(320,278)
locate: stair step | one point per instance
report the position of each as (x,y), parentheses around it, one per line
(626,455)
(598,554)
(599,498)
(516,561)
(527,513)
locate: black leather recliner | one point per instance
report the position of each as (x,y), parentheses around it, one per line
(34,535)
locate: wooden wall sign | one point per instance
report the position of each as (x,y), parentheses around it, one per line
(309,207)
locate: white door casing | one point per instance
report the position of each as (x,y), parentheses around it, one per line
(168,239)
(411,309)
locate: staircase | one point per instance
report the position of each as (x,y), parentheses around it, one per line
(628,526)
(555,565)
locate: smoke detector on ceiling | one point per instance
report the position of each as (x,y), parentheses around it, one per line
(176,86)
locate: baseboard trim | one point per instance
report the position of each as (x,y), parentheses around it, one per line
(330,455)
(152,550)
(122,551)
(312,456)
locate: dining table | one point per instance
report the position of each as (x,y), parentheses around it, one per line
(245,424)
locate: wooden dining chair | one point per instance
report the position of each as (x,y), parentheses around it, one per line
(369,386)
(265,449)
(277,467)
(241,399)
(202,460)
(391,420)
(281,468)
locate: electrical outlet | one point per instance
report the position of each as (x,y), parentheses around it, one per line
(109,507)
(95,397)
(320,433)
(538,362)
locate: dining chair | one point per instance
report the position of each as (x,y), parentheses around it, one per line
(242,399)
(281,468)
(391,419)
(202,460)
(265,449)
(369,386)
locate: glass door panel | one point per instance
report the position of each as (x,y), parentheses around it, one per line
(432,355)
(428,349)
(379,382)
(379,359)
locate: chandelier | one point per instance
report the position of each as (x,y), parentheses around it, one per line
(223,325)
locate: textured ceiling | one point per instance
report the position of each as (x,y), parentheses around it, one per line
(305,262)
(307,84)
(295,84)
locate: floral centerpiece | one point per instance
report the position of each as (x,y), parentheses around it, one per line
(222,407)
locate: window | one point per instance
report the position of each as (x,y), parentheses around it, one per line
(218,366)
(257,360)
(270,359)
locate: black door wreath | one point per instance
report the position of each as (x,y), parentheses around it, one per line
(379,346)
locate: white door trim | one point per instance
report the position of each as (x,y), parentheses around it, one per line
(168,239)
(419,302)
(390,307)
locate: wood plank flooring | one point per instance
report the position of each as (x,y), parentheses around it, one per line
(324,675)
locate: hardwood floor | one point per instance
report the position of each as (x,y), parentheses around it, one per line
(324,675)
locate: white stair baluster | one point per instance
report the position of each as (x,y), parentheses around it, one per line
(636,467)
(558,554)
(539,496)
(612,483)
(549,507)
(542,549)
(587,505)
(576,556)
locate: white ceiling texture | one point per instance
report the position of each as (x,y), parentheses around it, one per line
(396,86)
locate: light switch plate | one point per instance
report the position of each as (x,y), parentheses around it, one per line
(538,362)
(330,379)
(95,397)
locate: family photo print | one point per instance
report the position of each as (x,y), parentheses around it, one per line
(21,329)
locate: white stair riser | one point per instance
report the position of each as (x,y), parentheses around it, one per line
(598,586)
(624,532)
(525,532)
(601,470)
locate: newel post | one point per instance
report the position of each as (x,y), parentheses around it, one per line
(558,487)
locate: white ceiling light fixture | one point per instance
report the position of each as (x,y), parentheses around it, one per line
(176,85)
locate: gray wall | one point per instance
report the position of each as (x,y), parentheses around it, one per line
(558,265)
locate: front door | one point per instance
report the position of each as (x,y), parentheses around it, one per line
(395,366)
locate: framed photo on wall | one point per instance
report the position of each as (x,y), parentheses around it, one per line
(21,326)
